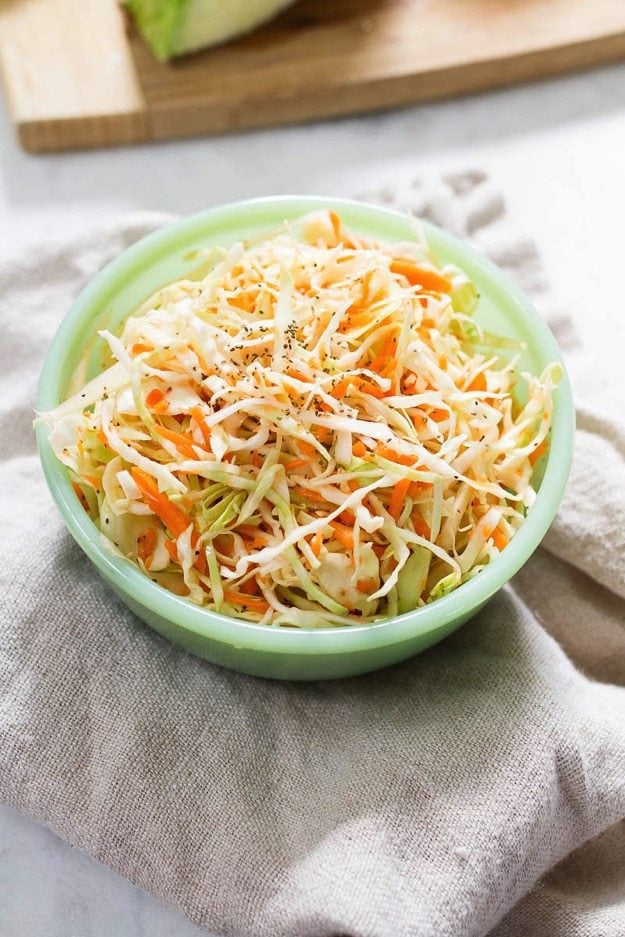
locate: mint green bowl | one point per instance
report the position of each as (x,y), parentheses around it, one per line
(273,652)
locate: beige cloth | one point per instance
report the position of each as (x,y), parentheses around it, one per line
(426,800)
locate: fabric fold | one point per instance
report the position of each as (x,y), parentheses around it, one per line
(433,798)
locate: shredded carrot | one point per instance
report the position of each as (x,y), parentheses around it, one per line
(367,586)
(343,534)
(398,497)
(295,464)
(172,549)
(439,415)
(419,276)
(499,538)
(359,449)
(256,459)
(323,433)
(155,396)
(369,387)
(182,442)
(93,481)
(419,422)
(306,448)
(102,438)
(316,543)
(174,518)
(246,601)
(250,587)
(298,376)
(417,487)
(82,497)
(339,231)
(421,527)
(146,543)
(198,416)
(538,452)
(245,299)
(339,390)
(308,494)
(478,382)
(252,536)
(387,453)
(138,348)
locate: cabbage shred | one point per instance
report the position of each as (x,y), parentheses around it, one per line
(315,434)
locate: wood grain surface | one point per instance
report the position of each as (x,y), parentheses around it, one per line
(76,75)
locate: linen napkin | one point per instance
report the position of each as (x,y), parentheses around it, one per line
(429,799)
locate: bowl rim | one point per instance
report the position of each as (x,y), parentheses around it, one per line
(129,580)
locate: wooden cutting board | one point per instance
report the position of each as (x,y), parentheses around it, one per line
(76,75)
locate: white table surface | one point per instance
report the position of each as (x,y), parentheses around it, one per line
(558,151)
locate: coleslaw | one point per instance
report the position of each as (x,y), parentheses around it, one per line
(315,433)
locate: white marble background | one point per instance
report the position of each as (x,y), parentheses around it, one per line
(557,149)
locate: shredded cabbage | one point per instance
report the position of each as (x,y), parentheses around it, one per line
(315,434)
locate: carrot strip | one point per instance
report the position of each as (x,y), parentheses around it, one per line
(421,527)
(296,463)
(306,448)
(343,534)
(145,544)
(339,390)
(181,441)
(478,382)
(82,497)
(359,449)
(367,586)
(417,487)
(246,601)
(499,538)
(172,549)
(370,388)
(154,397)
(323,434)
(386,453)
(308,494)
(339,231)
(174,518)
(298,376)
(245,299)
(250,587)
(398,497)
(198,416)
(419,422)
(252,535)
(316,543)
(538,452)
(419,276)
